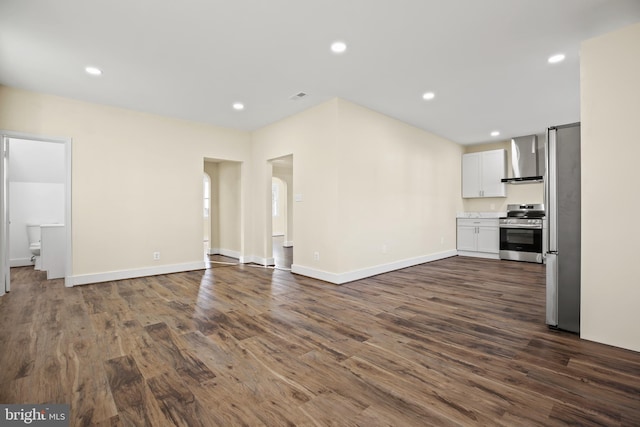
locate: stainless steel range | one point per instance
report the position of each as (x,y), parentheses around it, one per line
(522,233)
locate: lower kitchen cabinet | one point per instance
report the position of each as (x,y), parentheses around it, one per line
(478,237)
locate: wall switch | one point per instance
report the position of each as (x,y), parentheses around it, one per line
(297,197)
(156,256)
(316,256)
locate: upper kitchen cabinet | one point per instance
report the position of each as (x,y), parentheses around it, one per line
(482,172)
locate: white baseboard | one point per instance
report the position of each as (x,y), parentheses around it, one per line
(288,244)
(257,260)
(249,259)
(350,276)
(479,254)
(224,252)
(85,279)
(20,262)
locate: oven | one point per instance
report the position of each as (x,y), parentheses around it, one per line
(522,233)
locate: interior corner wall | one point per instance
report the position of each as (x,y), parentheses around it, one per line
(311,137)
(398,195)
(136,180)
(516,193)
(610,90)
(375,194)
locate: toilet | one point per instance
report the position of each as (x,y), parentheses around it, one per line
(33,234)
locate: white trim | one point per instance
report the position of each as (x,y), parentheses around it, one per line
(316,274)
(20,262)
(288,244)
(350,276)
(109,276)
(249,259)
(68,189)
(254,259)
(479,254)
(224,252)
(68,282)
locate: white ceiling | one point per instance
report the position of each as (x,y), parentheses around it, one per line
(486,60)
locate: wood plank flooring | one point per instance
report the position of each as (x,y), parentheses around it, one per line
(456,342)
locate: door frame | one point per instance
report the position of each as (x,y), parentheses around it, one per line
(68,282)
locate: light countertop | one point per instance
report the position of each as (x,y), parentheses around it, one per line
(480,214)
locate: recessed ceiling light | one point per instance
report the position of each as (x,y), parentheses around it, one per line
(554,59)
(93,71)
(495,133)
(238,106)
(338,47)
(428,95)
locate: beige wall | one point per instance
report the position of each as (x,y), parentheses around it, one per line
(311,137)
(610,104)
(516,193)
(137,178)
(399,190)
(229,208)
(374,191)
(371,190)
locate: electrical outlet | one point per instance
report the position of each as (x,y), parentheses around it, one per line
(384,249)
(156,256)
(441,240)
(316,256)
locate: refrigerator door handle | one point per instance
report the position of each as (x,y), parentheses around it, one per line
(551,193)
(552,289)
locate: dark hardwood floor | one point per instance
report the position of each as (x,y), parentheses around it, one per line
(460,341)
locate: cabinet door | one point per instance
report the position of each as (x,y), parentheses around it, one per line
(471,175)
(466,238)
(492,171)
(489,239)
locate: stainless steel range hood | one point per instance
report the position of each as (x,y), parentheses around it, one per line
(527,160)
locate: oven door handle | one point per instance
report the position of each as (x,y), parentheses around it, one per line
(529,226)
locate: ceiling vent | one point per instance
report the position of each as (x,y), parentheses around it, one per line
(297,96)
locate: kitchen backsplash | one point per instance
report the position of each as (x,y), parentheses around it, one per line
(516,193)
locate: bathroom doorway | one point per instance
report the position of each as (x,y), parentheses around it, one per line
(36,195)
(281,230)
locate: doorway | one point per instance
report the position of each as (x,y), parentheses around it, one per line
(222,219)
(281,227)
(35,205)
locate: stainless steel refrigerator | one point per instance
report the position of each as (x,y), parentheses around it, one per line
(562,199)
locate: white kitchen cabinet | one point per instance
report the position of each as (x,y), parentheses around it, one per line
(482,173)
(478,237)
